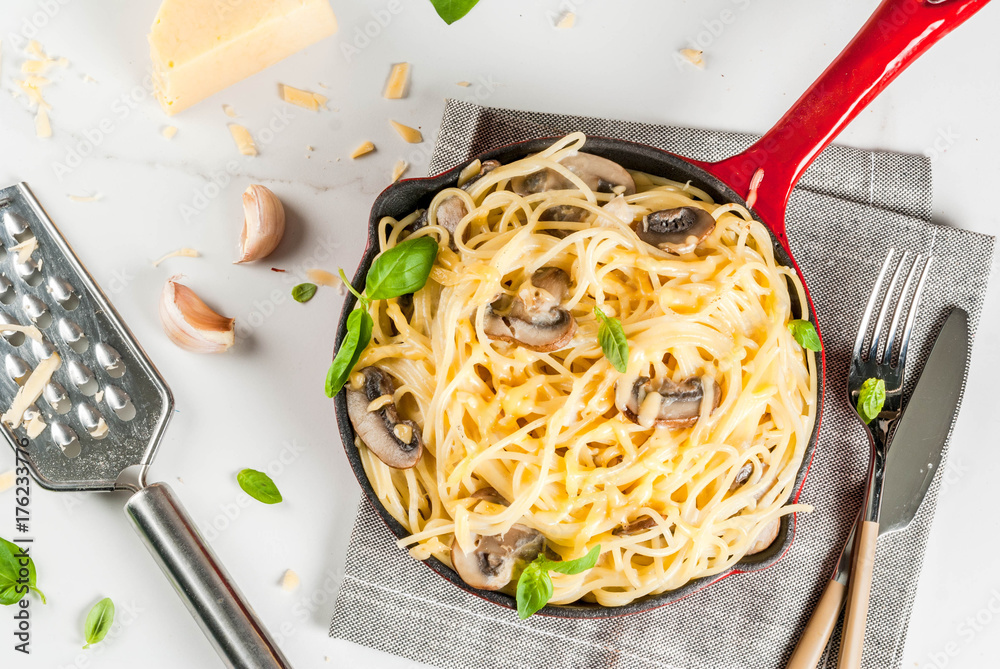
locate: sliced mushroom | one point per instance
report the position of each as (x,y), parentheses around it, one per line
(635,527)
(667,404)
(677,230)
(765,538)
(600,174)
(534,318)
(488,494)
(452,209)
(395,441)
(741,476)
(491,564)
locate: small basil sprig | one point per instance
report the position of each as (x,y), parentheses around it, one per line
(804,332)
(400,270)
(534,587)
(99,621)
(304,292)
(12,586)
(259,486)
(453,10)
(871,398)
(611,336)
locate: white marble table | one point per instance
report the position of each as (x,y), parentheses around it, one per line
(262,405)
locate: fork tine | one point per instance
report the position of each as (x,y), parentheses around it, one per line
(898,312)
(884,311)
(866,317)
(912,316)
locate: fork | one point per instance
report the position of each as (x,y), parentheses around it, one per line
(888,363)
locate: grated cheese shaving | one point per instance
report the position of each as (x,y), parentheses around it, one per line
(29,393)
(179,253)
(694,56)
(398,170)
(323,278)
(363,149)
(305,99)
(399,80)
(566,21)
(243,139)
(411,135)
(169,131)
(25,249)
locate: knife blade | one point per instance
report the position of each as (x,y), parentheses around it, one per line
(912,461)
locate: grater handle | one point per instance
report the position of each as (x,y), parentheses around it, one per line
(201,581)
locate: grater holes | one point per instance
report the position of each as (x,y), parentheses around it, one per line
(7,294)
(73,335)
(10,336)
(120,403)
(16,227)
(110,360)
(82,378)
(17,369)
(57,397)
(43,350)
(65,438)
(63,292)
(92,420)
(37,311)
(29,271)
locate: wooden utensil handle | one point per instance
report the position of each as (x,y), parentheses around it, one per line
(819,628)
(853,639)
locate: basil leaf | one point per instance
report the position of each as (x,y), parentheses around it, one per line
(611,336)
(12,588)
(402,269)
(259,486)
(534,589)
(871,398)
(453,10)
(303,292)
(576,566)
(805,334)
(99,621)
(359,333)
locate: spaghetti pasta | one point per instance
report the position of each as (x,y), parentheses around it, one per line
(560,442)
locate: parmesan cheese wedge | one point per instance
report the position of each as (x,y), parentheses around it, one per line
(399,80)
(199,48)
(29,393)
(411,135)
(363,149)
(243,139)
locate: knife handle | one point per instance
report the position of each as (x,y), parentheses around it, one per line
(853,639)
(818,630)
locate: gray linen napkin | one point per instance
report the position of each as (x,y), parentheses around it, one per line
(850,207)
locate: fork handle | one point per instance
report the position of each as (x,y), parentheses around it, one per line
(853,637)
(818,630)
(201,580)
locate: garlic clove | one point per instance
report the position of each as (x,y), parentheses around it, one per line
(263,224)
(190,323)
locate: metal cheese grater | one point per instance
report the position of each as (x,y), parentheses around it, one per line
(105,409)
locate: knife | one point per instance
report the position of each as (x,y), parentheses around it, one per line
(911,463)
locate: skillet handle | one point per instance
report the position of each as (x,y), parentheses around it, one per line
(897,33)
(201,581)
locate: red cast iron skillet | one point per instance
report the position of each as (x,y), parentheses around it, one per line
(898,32)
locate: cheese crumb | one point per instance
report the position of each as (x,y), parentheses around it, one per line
(694,56)
(6,481)
(411,135)
(89,79)
(364,148)
(323,278)
(464,84)
(398,170)
(230,112)
(169,131)
(566,21)
(305,99)
(243,139)
(289,581)
(399,80)
(85,198)
(43,128)
(179,253)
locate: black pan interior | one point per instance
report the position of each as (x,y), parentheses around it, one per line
(406,196)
